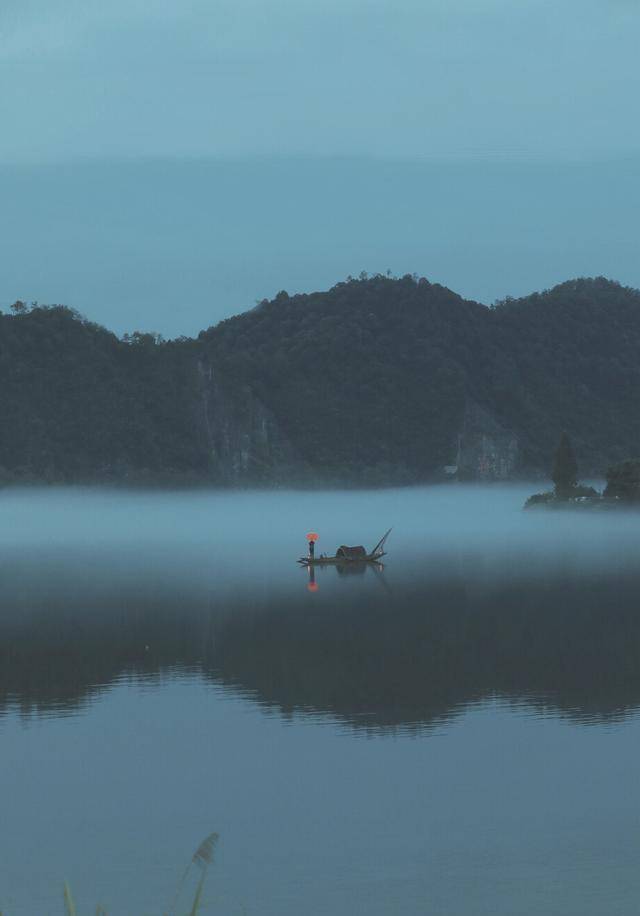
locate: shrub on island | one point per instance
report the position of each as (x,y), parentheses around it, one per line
(551,499)
(567,490)
(623,482)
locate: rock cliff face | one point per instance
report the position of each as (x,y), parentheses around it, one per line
(486,450)
(243,441)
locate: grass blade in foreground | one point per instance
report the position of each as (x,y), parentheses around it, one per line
(203,857)
(68,901)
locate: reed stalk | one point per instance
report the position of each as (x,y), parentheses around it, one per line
(202,859)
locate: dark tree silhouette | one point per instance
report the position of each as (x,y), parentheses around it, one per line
(373,381)
(623,481)
(565,467)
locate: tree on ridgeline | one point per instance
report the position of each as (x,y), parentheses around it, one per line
(565,468)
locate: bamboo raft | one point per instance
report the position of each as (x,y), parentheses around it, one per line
(349,555)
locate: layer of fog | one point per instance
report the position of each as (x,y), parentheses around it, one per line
(250,540)
(476,597)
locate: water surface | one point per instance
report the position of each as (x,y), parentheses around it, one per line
(455,734)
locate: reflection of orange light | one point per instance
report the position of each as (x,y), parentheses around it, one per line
(313,586)
(312,536)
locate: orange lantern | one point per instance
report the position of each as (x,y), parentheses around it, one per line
(312,536)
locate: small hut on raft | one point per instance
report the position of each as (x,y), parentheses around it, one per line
(351,553)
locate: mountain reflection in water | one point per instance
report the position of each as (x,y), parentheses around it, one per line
(405,649)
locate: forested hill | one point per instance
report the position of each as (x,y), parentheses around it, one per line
(405,377)
(376,380)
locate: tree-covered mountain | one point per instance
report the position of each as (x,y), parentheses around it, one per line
(376,380)
(403,377)
(79,404)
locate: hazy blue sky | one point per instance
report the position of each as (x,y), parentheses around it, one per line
(434,134)
(435,78)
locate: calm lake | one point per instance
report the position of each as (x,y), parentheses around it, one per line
(457,734)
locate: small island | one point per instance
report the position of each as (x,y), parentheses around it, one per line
(622,488)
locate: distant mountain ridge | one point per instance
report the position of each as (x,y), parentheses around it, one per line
(377,380)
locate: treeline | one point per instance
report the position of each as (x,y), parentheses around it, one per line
(378,373)
(369,381)
(78,404)
(368,378)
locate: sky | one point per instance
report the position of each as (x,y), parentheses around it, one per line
(370,129)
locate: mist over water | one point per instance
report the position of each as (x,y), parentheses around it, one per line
(140,583)
(376,743)
(222,537)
